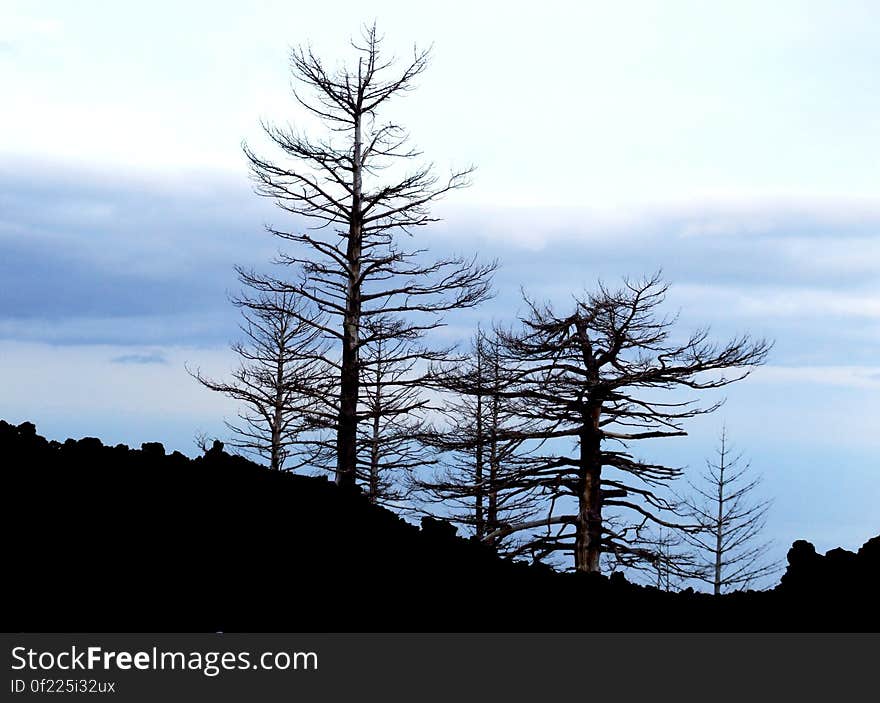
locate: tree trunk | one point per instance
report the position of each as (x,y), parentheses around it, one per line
(493,522)
(374,462)
(349,381)
(588,538)
(374,443)
(719,521)
(278,415)
(479,520)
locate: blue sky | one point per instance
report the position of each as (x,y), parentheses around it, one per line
(733,145)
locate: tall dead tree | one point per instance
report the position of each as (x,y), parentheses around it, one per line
(391,412)
(597,379)
(281,379)
(733,553)
(480,440)
(393,405)
(351,187)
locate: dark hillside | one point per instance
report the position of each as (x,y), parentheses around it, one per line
(100,538)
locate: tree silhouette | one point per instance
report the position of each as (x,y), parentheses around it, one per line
(389,436)
(599,378)
(480,440)
(729,544)
(281,379)
(668,561)
(391,427)
(351,262)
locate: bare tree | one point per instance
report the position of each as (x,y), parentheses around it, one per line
(600,378)
(352,262)
(480,438)
(732,551)
(281,378)
(668,562)
(393,405)
(666,542)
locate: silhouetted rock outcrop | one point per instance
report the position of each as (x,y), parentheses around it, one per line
(99,538)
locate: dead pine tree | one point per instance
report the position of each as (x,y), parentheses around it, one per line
(602,376)
(280,380)
(733,553)
(668,561)
(392,411)
(666,541)
(479,442)
(363,191)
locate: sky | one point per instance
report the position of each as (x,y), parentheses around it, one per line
(732,145)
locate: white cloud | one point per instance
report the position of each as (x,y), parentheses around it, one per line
(756,301)
(865,378)
(558,104)
(17,27)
